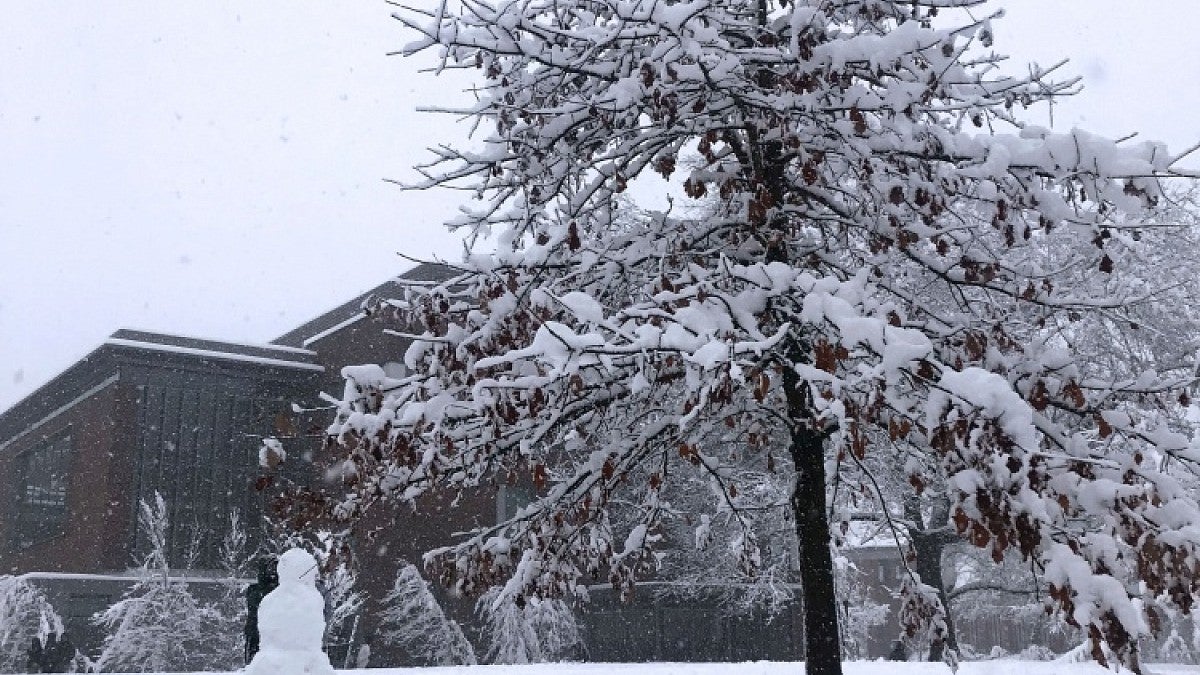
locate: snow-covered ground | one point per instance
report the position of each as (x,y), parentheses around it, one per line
(776,668)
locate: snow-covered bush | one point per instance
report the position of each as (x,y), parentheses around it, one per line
(413,620)
(25,614)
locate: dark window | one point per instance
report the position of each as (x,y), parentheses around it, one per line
(42,476)
(511,498)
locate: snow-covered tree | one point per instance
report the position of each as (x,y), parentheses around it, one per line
(25,614)
(1154,330)
(159,625)
(527,630)
(344,601)
(859,613)
(891,246)
(228,636)
(413,620)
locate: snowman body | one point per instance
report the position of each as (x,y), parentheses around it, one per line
(291,622)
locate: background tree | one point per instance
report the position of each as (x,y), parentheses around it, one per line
(159,625)
(877,267)
(25,615)
(228,640)
(520,630)
(859,612)
(413,620)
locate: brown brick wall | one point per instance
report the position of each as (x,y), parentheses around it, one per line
(96,531)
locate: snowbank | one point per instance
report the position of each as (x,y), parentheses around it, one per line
(775,668)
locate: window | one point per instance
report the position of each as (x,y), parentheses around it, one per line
(511,498)
(42,477)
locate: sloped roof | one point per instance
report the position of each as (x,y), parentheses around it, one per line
(263,354)
(351,311)
(287,353)
(99,368)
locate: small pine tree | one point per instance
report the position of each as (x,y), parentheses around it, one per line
(159,625)
(527,630)
(414,621)
(25,614)
(344,602)
(1173,649)
(229,610)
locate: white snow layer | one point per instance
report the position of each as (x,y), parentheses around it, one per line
(212,354)
(1000,667)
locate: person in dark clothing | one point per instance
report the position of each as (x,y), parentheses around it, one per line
(899,651)
(36,655)
(55,656)
(268,580)
(59,654)
(48,652)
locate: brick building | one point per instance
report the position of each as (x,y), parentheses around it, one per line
(182,416)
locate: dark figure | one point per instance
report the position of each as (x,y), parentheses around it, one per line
(34,660)
(268,580)
(899,652)
(59,654)
(48,653)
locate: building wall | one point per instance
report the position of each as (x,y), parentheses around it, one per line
(93,533)
(657,627)
(197,434)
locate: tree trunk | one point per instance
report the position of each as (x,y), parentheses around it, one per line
(822,651)
(929,543)
(929,565)
(822,638)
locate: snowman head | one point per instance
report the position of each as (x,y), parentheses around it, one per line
(297,567)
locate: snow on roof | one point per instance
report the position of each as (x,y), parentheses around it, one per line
(872,534)
(129,576)
(349,312)
(334,328)
(125,332)
(213,354)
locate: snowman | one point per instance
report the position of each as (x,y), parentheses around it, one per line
(291,622)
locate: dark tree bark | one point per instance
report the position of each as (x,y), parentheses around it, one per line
(929,542)
(822,646)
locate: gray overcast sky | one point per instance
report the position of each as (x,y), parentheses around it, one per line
(215,167)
